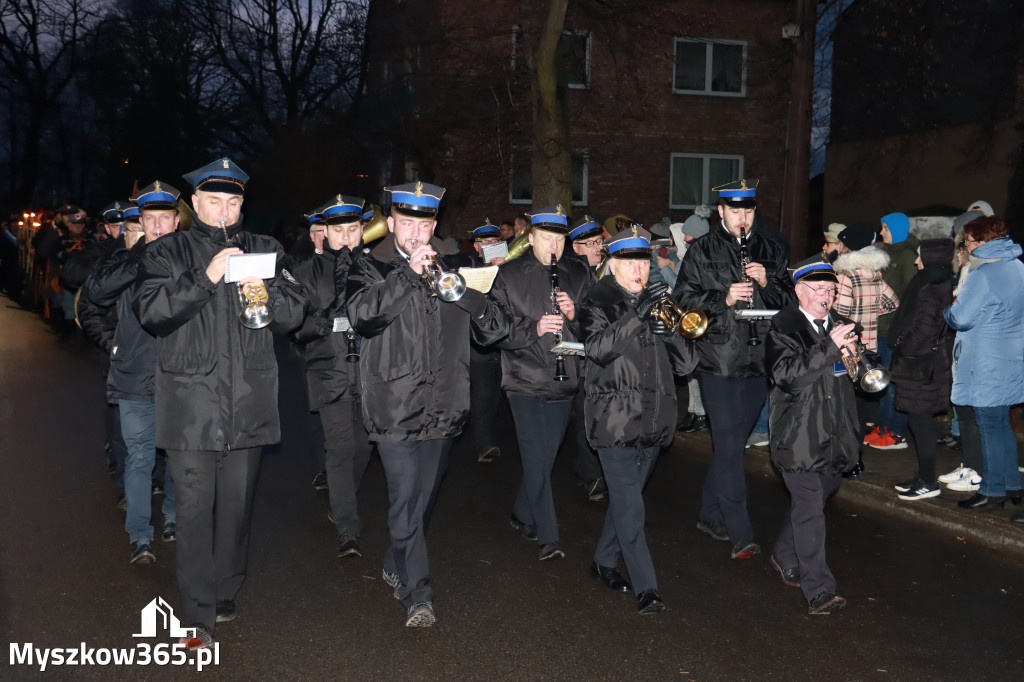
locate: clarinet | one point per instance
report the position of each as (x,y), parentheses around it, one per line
(560,374)
(752,338)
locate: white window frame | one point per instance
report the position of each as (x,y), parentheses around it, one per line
(705,175)
(586,62)
(583,154)
(709,43)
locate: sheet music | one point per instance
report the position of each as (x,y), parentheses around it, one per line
(480,279)
(241,265)
(494,251)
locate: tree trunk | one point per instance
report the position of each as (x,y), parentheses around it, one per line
(552,150)
(796,184)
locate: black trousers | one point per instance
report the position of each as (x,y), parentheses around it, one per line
(733,406)
(970,436)
(588,464)
(213,494)
(414,470)
(348,453)
(626,472)
(922,430)
(801,541)
(540,428)
(484,400)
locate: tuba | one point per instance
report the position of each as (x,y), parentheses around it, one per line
(376,227)
(519,245)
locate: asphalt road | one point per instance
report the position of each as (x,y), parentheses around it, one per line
(921,607)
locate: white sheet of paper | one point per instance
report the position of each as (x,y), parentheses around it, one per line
(480,279)
(341,324)
(242,265)
(494,251)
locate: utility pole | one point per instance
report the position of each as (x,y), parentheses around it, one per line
(796,182)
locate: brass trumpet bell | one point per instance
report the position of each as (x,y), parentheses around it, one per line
(256,314)
(690,324)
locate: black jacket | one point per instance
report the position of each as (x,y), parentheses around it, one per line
(710,267)
(329,375)
(921,325)
(628,383)
(216,381)
(98,322)
(814,425)
(414,358)
(523,286)
(133,352)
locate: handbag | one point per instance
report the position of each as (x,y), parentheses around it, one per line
(916,369)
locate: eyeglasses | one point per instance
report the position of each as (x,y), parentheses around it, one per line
(822,291)
(133,230)
(589,244)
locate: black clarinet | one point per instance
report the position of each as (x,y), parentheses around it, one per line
(560,374)
(752,338)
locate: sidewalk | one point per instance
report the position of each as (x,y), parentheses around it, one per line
(873,490)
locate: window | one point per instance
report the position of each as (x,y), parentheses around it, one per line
(693,175)
(577,59)
(710,67)
(521,185)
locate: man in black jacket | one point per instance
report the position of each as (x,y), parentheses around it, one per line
(541,401)
(414,378)
(731,372)
(630,404)
(815,435)
(216,386)
(331,356)
(132,367)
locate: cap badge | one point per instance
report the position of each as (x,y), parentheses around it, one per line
(558,210)
(156,186)
(225,162)
(419,189)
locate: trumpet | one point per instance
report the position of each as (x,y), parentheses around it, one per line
(691,324)
(862,368)
(446,285)
(256,312)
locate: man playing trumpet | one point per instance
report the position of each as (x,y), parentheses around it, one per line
(630,404)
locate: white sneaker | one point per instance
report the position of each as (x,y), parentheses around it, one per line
(966,485)
(957,474)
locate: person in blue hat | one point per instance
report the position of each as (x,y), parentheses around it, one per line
(330,352)
(485,235)
(587,237)
(630,404)
(113,220)
(733,267)
(541,290)
(215,386)
(815,435)
(413,377)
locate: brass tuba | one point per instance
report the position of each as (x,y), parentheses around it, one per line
(519,245)
(376,227)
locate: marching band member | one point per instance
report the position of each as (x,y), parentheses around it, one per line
(630,404)
(543,313)
(484,369)
(414,377)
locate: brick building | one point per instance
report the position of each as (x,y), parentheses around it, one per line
(665,100)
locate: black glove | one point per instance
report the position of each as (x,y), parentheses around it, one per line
(658,327)
(341,267)
(649,297)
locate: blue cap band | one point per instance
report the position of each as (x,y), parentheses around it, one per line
(631,243)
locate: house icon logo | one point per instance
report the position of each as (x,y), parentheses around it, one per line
(157,616)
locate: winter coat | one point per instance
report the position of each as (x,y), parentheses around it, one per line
(216,381)
(97,322)
(414,358)
(813,422)
(630,393)
(329,376)
(988,316)
(864,296)
(523,287)
(710,267)
(902,269)
(133,351)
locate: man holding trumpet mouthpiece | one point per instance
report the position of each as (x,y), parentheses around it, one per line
(215,388)
(815,435)
(414,378)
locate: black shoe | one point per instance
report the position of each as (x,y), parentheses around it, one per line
(744,549)
(488,455)
(320,481)
(979,501)
(550,550)
(825,603)
(909,484)
(648,602)
(687,422)
(611,578)
(921,491)
(596,490)
(699,423)
(158,490)
(348,546)
(1014,496)
(142,553)
(790,576)
(529,532)
(856,471)
(714,529)
(226,611)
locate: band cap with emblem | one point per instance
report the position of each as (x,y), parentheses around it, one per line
(114,213)
(739,194)
(342,209)
(132,214)
(223,175)
(157,196)
(368,214)
(416,199)
(584,228)
(487,230)
(632,243)
(813,269)
(550,219)
(314,218)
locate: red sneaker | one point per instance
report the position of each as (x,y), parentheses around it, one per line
(885,441)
